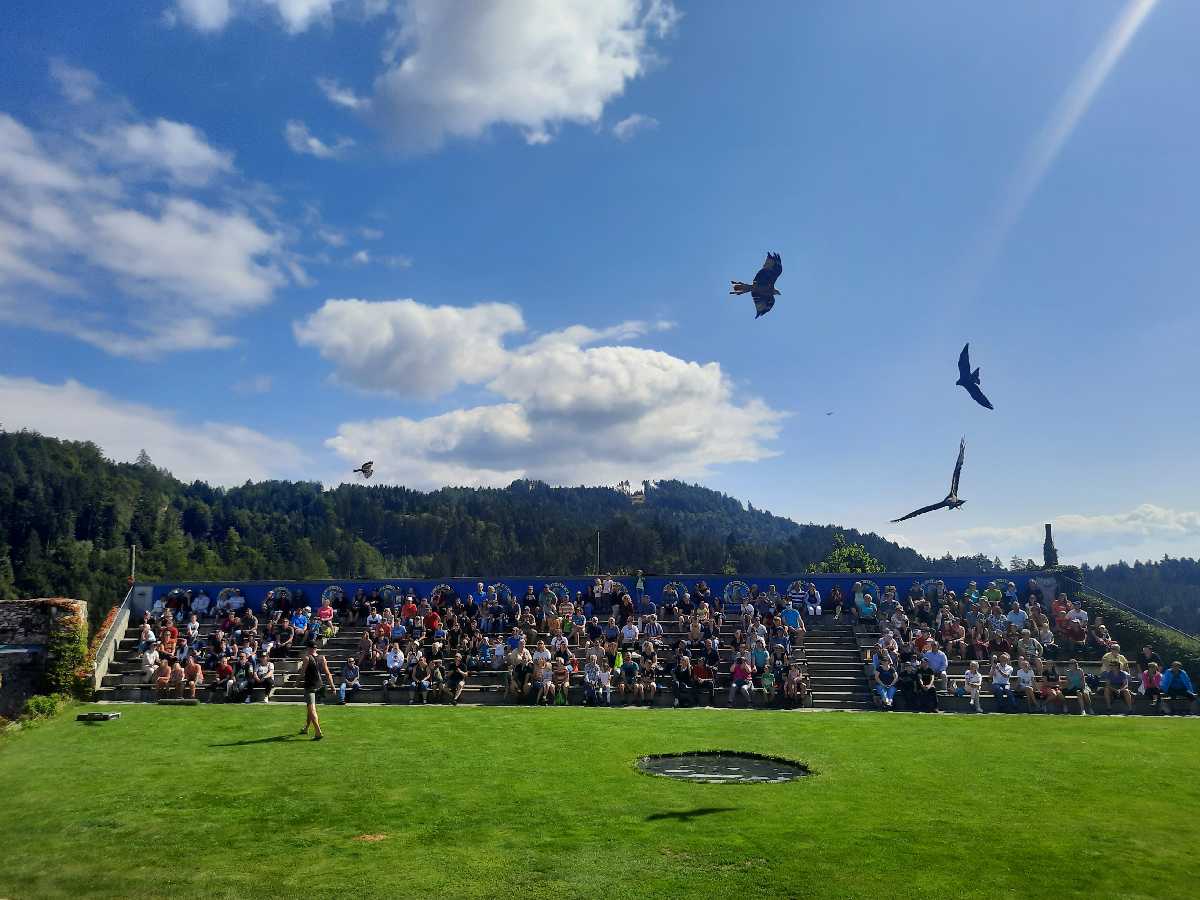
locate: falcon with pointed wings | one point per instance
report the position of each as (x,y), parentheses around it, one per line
(951,501)
(763,288)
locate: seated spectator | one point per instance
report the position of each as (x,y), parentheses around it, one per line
(1031,649)
(795,687)
(604,679)
(520,671)
(865,609)
(1114,656)
(1075,626)
(1046,638)
(1116,684)
(1146,656)
(351,679)
(1049,690)
(740,675)
(161,676)
(174,680)
(1152,687)
(704,673)
(837,602)
(150,659)
(422,680)
(1001,674)
(631,682)
(236,601)
(686,691)
(936,659)
(1025,677)
(325,612)
(396,663)
(560,676)
(955,638)
(456,680)
(262,675)
(972,685)
(886,679)
(201,603)
(1075,685)
(193,677)
(1177,688)
(926,687)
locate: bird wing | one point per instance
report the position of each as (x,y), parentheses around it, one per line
(920,512)
(771,269)
(962,451)
(763,303)
(964,362)
(974,391)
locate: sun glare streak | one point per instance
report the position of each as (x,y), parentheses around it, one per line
(1049,141)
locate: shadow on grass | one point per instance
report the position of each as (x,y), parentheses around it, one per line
(274,739)
(686,815)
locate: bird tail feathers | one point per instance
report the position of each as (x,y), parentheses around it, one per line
(740,287)
(975,376)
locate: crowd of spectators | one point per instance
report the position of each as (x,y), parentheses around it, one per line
(1013,639)
(1011,642)
(428,647)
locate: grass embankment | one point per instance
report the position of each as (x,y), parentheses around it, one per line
(524,802)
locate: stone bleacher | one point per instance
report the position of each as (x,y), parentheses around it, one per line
(124,681)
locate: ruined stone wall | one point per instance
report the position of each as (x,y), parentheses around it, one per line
(32,635)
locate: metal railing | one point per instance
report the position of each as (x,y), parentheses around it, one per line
(1132,610)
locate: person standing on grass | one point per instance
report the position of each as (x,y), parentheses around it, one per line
(312,667)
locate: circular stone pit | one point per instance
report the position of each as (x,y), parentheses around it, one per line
(723,767)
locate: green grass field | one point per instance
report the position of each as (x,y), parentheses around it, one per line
(227,801)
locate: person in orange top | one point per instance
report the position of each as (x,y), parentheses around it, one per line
(193,677)
(432,620)
(409,609)
(1059,609)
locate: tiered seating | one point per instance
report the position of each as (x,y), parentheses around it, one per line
(124,679)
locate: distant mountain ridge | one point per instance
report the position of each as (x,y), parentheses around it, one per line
(68,516)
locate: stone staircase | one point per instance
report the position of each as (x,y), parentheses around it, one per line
(835,667)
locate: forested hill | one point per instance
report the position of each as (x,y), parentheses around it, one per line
(68,516)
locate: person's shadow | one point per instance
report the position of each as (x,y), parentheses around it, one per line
(686,815)
(274,739)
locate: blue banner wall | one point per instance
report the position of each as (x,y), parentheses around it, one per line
(256,591)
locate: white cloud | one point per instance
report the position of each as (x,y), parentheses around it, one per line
(370,234)
(1145,532)
(173,148)
(216,452)
(77,85)
(405,347)
(89,248)
(303,141)
(365,257)
(570,412)
(294,15)
(341,96)
(460,68)
(630,126)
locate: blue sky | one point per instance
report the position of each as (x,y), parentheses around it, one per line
(271,238)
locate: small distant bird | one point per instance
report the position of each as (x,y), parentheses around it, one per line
(367,469)
(763,289)
(969,379)
(830,413)
(951,501)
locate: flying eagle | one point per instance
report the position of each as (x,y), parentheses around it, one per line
(367,469)
(969,379)
(951,501)
(763,289)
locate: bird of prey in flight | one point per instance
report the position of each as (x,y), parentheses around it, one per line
(367,469)
(969,379)
(763,289)
(951,501)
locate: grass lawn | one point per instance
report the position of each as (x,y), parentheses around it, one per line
(227,801)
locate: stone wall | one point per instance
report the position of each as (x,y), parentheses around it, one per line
(25,629)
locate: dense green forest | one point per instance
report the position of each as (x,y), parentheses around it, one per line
(68,517)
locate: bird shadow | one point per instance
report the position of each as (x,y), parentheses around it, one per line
(686,815)
(274,739)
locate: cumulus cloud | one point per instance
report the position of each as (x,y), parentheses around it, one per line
(630,126)
(175,149)
(574,405)
(459,68)
(77,85)
(213,15)
(303,141)
(406,347)
(1145,532)
(90,248)
(217,452)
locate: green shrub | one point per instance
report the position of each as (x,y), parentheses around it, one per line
(67,650)
(44,706)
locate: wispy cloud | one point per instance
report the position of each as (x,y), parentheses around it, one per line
(1046,145)
(303,141)
(630,126)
